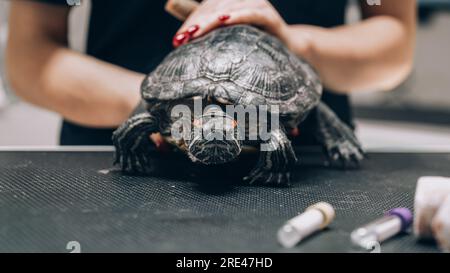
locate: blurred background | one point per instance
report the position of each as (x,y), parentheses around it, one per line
(416,114)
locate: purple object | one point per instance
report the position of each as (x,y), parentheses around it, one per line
(405,216)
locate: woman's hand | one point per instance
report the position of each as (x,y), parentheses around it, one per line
(212,14)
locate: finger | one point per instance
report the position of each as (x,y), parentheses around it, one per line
(199,16)
(257,17)
(184,37)
(202,26)
(179,39)
(210,15)
(213,14)
(181,8)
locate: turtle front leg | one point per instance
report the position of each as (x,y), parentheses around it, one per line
(275,161)
(132,143)
(339,141)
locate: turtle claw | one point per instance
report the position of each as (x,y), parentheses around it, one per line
(132,143)
(339,141)
(267,177)
(344,154)
(275,175)
(273,166)
(132,161)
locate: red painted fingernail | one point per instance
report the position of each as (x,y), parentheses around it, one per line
(224,17)
(179,39)
(187,39)
(193,29)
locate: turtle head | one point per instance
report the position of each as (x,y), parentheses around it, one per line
(214,139)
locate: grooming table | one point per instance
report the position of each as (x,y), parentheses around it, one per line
(49,198)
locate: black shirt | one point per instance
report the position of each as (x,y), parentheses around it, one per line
(137,35)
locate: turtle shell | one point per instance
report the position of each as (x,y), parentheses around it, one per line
(238,64)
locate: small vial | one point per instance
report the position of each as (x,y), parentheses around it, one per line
(394,222)
(315,217)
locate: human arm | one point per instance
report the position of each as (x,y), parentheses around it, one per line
(44,71)
(374,54)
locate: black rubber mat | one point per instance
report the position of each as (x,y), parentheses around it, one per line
(50,198)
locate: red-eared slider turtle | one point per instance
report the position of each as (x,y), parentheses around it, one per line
(241,66)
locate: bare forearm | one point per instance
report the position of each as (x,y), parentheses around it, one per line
(82,89)
(375,54)
(43,71)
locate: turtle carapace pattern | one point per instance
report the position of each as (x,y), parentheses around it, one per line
(239,66)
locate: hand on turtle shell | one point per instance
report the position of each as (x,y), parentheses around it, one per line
(212,14)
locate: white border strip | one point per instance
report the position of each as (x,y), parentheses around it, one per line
(56,148)
(416,149)
(381,149)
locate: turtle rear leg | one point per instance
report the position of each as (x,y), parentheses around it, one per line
(339,141)
(275,161)
(132,143)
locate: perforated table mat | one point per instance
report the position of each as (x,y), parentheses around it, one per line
(50,198)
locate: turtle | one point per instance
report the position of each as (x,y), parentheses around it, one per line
(237,65)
